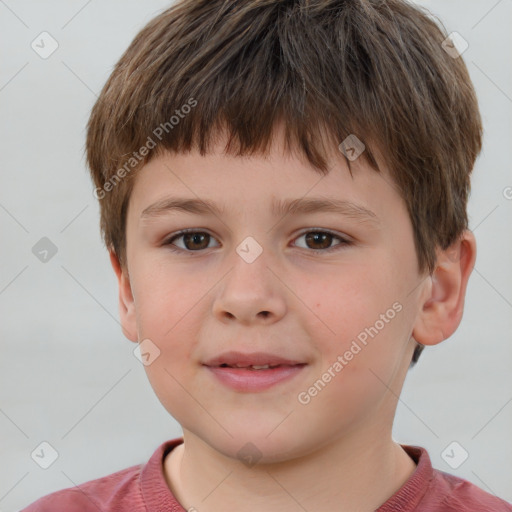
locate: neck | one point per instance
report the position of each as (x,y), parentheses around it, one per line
(370,467)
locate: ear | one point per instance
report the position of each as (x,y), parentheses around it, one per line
(126,302)
(442,309)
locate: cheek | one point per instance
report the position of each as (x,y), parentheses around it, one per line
(167,308)
(359,317)
(164,299)
(348,300)
(173,389)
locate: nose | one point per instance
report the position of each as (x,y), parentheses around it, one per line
(251,293)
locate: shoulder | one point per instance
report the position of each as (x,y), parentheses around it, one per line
(433,490)
(106,493)
(124,490)
(454,494)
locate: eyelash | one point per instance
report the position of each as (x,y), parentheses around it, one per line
(343,241)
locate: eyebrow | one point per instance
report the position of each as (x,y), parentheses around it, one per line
(279,208)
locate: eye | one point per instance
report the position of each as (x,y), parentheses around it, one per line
(195,241)
(323,239)
(192,240)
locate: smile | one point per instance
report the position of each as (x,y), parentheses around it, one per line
(253,372)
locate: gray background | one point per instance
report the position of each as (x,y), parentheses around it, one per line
(68,375)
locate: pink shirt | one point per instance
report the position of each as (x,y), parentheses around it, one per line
(143,488)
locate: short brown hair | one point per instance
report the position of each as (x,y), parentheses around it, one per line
(326,68)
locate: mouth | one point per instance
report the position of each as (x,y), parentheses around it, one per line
(253,372)
(257,367)
(255,360)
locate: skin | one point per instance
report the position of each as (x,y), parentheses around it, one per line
(335,452)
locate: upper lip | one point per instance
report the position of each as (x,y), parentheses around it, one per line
(249,359)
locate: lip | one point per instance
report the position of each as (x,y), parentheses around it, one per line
(249,380)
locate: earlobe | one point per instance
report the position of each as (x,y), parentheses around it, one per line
(441,312)
(126,302)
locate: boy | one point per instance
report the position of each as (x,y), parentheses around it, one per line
(261,130)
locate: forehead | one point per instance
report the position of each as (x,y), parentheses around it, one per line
(279,180)
(274,186)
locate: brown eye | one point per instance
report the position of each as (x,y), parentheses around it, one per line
(315,241)
(196,240)
(319,240)
(192,240)
(322,241)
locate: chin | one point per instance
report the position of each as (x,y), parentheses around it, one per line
(254,445)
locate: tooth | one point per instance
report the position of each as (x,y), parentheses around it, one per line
(262,367)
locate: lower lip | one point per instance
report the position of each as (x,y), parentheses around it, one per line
(242,379)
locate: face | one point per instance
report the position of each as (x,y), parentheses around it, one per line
(329,295)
